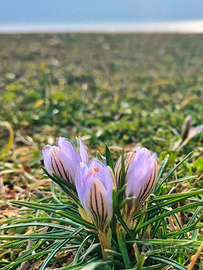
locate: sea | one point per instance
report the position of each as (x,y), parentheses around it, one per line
(195,26)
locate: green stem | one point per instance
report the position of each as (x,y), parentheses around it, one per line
(104,243)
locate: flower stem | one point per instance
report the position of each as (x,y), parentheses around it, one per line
(104,242)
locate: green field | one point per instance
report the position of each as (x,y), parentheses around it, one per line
(125,90)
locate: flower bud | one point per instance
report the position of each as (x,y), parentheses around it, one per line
(140,177)
(186,127)
(94,186)
(64,159)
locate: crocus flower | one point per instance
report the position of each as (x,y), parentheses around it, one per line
(94,185)
(140,177)
(64,158)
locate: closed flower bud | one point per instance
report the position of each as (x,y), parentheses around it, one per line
(186,127)
(64,159)
(94,185)
(140,177)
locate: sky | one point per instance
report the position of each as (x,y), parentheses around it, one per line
(98,11)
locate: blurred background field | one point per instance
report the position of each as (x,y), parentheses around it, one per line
(124,90)
(119,89)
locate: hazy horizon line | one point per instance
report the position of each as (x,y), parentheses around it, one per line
(183,26)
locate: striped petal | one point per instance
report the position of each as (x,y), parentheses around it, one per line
(69,149)
(99,205)
(137,174)
(141,172)
(94,186)
(56,161)
(64,159)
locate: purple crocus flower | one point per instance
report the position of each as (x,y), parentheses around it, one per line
(140,177)
(94,185)
(64,158)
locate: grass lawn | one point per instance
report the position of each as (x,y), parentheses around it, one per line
(124,90)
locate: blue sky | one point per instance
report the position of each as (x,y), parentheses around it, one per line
(97,11)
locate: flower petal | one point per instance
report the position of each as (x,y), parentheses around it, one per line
(83,151)
(62,165)
(94,186)
(140,177)
(138,173)
(69,149)
(103,172)
(99,204)
(81,181)
(46,151)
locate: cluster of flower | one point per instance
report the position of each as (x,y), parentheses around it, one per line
(95,181)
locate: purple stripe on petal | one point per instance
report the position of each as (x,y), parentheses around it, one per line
(141,172)
(64,159)
(94,186)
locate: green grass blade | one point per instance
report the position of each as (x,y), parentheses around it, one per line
(153,267)
(76,258)
(171,172)
(96,265)
(59,220)
(180,209)
(181,180)
(54,194)
(122,174)
(184,195)
(64,185)
(59,245)
(192,220)
(77,220)
(123,248)
(168,261)
(44,207)
(51,225)
(38,236)
(125,226)
(109,160)
(30,251)
(163,165)
(165,241)
(34,256)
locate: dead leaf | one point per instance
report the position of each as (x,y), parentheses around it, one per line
(186,100)
(195,257)
(38,103)
(5,150)
(162,82)
(24,265)
(10,213)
